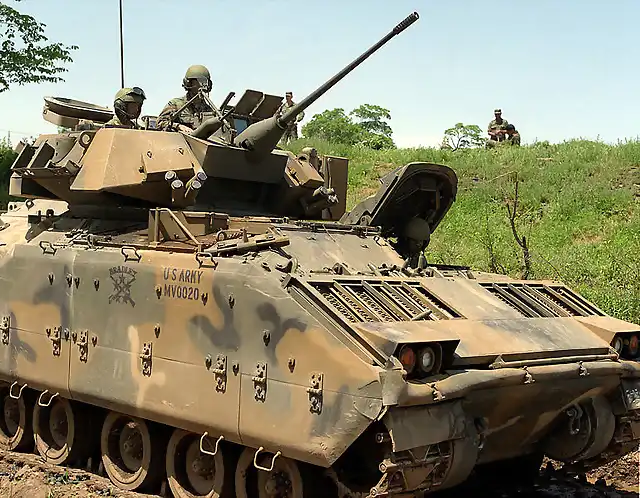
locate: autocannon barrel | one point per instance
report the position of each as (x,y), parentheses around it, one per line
(292,113)
(262,137)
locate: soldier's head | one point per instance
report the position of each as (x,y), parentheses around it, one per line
(510,129)
(498,114)
(311,154)
(289,97)
(417,233)
(196,77)
(128,103)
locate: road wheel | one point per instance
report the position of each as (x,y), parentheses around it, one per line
(16,432)
(58,430)
(278,477)
(132,452)
(196,474)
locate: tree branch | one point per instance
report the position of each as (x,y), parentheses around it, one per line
(521,241)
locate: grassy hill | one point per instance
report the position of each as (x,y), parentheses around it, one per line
(578,206)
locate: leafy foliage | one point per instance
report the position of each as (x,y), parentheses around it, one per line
(25,55)
(333,126)
(462,136)
(372,119)
(369,129)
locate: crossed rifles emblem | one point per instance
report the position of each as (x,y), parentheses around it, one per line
(123,278)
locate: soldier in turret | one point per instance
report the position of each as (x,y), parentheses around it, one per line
(197,77)
(291,133)
(127,107)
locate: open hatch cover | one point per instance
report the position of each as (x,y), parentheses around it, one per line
(417,190)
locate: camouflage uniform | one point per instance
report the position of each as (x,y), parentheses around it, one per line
(195,79)
(190,115)
(513,139)
(494,126)
(291,133)
(510,139)
(115,121)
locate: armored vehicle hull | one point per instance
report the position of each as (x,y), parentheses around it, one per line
(273,354)
(170,304)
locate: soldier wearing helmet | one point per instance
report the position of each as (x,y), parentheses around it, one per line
(197,77)
(127,107)
(413,240)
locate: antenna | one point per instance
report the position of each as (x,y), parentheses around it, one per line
(121,50)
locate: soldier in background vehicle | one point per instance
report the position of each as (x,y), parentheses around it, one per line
(127,107)
(196,77)
(291,133)
(497,126)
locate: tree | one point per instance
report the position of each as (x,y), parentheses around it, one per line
(370,130)
(25,57)
(463,136)
(376,131)
(333,126)
(372,119)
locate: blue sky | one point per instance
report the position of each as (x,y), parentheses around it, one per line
(559,69)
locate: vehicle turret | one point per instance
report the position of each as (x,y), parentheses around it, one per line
(242,172)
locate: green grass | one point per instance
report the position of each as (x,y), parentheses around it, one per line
(579,207)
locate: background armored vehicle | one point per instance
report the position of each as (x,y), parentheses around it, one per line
(204,308)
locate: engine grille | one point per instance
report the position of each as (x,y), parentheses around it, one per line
(374,300)
(542,301)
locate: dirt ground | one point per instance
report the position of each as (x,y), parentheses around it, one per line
(27,476)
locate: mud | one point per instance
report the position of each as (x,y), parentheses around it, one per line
(28,476)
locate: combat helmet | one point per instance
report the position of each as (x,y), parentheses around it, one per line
(418,229)
(197,74)
(123,100)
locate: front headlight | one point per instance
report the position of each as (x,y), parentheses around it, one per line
(627,345)
(407,357)
(422,360)
(618,344)
(427,359)
(633,346)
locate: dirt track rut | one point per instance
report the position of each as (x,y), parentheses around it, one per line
(27,476)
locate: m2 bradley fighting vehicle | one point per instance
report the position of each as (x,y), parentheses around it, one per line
(202,307)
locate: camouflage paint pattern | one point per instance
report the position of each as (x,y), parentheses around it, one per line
(184,282)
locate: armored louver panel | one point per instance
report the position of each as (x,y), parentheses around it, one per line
(371,300)
(542,301)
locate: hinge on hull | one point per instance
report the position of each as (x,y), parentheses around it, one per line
(316,382)
(83,345)
(260,382)
(5,325)
(55,335)
(221,373)
(145,357)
